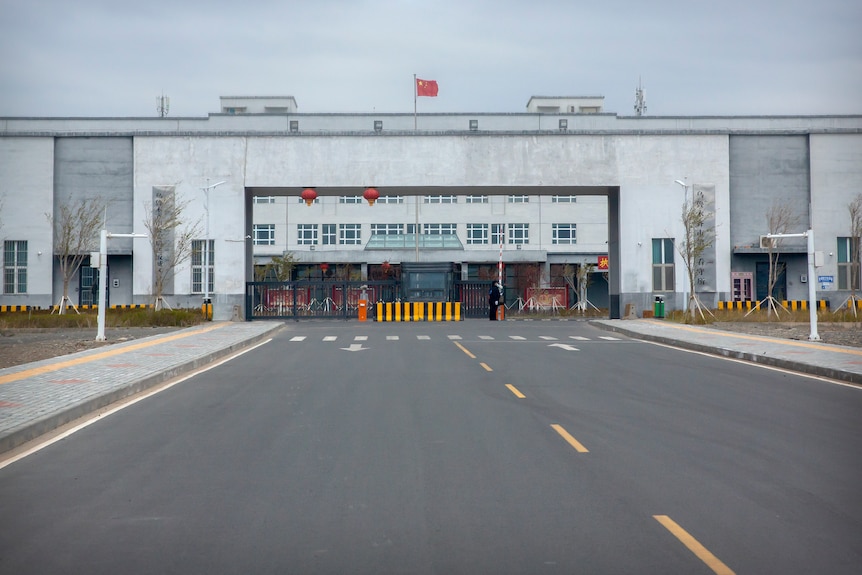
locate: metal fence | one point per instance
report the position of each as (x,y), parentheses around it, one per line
(315,299)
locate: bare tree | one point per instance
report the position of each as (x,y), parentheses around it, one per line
(698,237)
(170,238)
(579,278)
(780,219)
(76,226)
(855,210)
(279,268)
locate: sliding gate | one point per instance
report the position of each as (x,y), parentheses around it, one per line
(315,299)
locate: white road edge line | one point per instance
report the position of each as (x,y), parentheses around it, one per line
(760,365)
(158,389)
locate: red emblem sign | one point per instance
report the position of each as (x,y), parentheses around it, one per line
(603,263)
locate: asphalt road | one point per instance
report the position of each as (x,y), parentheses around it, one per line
(433,454)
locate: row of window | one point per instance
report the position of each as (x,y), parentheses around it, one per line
(446,199)
(15,251)
(351,234)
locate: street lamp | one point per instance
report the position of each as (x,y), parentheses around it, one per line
(684,185)
(207,302)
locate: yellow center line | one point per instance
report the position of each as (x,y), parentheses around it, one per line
(110,352)
(486,366)
(572,441)
(514,390)
(694,546)
(465,350)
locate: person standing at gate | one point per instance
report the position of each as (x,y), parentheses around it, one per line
(494,295)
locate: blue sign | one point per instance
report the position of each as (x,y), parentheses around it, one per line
(825,279)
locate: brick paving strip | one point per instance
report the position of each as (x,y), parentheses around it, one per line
(39,397)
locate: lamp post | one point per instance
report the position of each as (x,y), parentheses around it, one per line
(685,187)
(207,302)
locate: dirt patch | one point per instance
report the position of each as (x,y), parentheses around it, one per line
(19,346)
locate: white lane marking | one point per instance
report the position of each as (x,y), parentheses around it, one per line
(355,347)
(454,337)
(298,338)
(330,338)
(360,338)
(391,338)
(609,338)
(547,338)
(423,337)
(486,337)
(579,337)
(564,346)
(517,337)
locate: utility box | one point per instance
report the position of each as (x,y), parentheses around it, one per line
(363,310)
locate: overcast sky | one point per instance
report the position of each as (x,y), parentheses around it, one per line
(740,57)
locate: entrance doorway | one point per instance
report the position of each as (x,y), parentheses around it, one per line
(779,290)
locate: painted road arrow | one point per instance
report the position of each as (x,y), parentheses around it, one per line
(564,346)
(355,347)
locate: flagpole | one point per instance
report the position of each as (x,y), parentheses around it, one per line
(414,102)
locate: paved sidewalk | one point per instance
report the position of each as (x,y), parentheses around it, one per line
(37,397)
(824,360)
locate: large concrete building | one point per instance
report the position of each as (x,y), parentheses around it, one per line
(559,186)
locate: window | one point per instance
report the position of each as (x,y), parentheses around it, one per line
(846,255)
(519,233)
(498,233)
(411,228)
(387,229)
(477,234)
(391,199)
(327,232)
(264,199)
(519,199)
(564,234)
(198,256)
(439,229)
(350,234)
(349,199)
(662,264)
(564,199)
(14,266)
(474,125)
(301,201)
(476,200)
(263,234)
(441,199)
(306,234)
(294,125)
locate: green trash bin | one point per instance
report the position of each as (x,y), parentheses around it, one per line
(658,308)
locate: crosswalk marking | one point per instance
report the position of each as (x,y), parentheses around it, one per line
(330,338)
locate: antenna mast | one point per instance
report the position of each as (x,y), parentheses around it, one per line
(640,99)
(163,105)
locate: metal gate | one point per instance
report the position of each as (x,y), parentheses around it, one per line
(473,295)
(315,299)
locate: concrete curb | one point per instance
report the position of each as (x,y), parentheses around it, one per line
(36,428)
(772,361)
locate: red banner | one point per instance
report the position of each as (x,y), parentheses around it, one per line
(603,264)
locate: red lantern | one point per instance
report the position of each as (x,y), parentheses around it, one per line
(309,195)
(371,195)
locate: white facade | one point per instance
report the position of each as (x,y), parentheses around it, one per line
(620,169)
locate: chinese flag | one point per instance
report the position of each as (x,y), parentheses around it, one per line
(426,87)
(603,263)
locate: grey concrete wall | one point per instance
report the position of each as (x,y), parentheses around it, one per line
(26,192)
(102,168)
